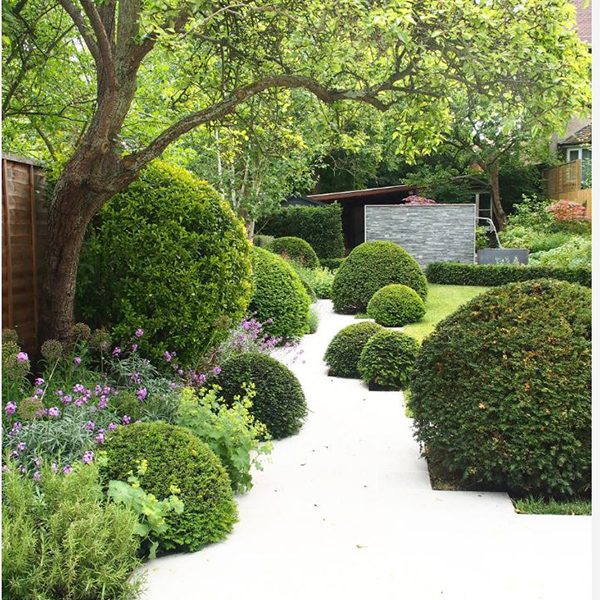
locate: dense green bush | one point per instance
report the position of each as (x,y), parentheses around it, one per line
(368,268)
(168,256)
(279,296)
(295,249)
(313,320)
(177,463)
(279,402)
(331,263)
(263,241)
(320,226)
(320,280)
(492,275)
(395,305)
(61,539)
(501,391)
(344,350)
(387,360)
(575,253)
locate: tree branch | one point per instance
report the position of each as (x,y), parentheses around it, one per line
(77,18)
(107,63)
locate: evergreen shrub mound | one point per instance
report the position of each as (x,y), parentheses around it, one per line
(344,350)
(368,268)
(263,241)
(296,249)
(176,460)
(396,305)
(387,360)
(279,299)
(168,256)
(279,402)
(501,391)
(320,226)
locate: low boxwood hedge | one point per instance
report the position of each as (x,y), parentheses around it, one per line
(395,305)
(491,275)
(296,249)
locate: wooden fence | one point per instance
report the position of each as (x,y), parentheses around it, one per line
(564,183)
(24,226)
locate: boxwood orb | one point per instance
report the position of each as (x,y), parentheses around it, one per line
(279,402)
(396,305)
(368,268)
(296,249)
(501,391)
(344,350)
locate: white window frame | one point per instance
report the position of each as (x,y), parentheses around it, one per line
(579,150)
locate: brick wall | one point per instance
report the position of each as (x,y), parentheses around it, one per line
(430,233)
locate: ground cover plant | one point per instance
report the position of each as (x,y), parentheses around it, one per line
(395,305)
(279,402)
(295,249)
(501,391)
(541,506)
(369,267)
(343,353)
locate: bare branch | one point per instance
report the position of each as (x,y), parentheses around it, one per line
(104,44)
(86,34)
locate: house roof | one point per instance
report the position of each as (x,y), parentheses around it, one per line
(582,136)
(584,20)
(352,194)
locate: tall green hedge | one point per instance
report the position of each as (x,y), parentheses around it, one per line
(321,227)
(168,256)
(491,275)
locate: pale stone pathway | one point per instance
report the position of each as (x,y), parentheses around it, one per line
(345,511)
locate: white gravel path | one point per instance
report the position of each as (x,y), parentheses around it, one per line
(345,510)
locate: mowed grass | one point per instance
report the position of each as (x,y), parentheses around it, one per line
(442,300)
(536,506)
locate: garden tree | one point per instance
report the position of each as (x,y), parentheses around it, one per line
(214,56)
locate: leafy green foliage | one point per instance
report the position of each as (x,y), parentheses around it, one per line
(481,238)
(279,402)
(388,359)
(231,432)
(279,300)
(295,249)
(321,227)
(395,305)
(319,279)
(576,252)
(168,256)
(313,320)
(369,267)
(344,350)
(263,241)
(491,275)
(501,392)
(150,511)
(61,539)
(331,263)
(177,463)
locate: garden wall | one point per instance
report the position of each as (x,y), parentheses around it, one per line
(430,233)
(24,222)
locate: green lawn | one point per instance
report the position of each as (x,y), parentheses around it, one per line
(442,300)
(535,506)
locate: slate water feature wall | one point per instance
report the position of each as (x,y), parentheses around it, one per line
(430,233)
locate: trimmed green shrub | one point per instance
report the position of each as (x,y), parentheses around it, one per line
(166,255)
(501,391)
(279,402)
(295,249)
(396,305)
(62,539)
(177,463)
(279,296)
(263,241)
(387,360)
(331,263)
(491,275)
(320,226)
(368,268)
(344,350)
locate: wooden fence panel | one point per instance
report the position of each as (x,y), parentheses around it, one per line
(24,235)
(564,178)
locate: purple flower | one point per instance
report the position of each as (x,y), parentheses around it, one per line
(15,428)
(14,454)
(54,467)
(217,370)
(22,357)
(88,457)
(116,351)
(112,426)
(67,469)
(100,437)
(10,408)
(67,399)
(78,388)
(126,420)
(102,403)
(77,360)
(59,393)
(134,347)
(139,333)
(90,426)
(141,394)
(38,381)
(37,461)
(135,378)
(180,372)
(38,392)
(21,446)
(168,356)
(53,412)
(37,476)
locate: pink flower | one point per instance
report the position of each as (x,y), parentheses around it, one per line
(168,356)
(53,412)
(38,381)
(134,347)
(126,420)
(112,426)
(77,360)
(10,408)
(100,437)
(139,333)
(67,469)
(88,457)
(22,357)
(217,370)
(116,351)
(141,394)
(37,476)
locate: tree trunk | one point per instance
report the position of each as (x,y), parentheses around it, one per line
(498,210)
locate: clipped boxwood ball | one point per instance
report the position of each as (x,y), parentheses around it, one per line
(396,305)
(368,268)
(387,360)
(279,402)
(168,256)
(175,459)
(296,249)
(278,296)
(501,391)
(344,350)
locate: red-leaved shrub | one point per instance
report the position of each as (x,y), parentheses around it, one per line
(567,210)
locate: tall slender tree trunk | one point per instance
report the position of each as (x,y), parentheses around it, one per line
(498,209)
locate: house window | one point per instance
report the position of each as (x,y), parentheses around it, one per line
(585,156)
